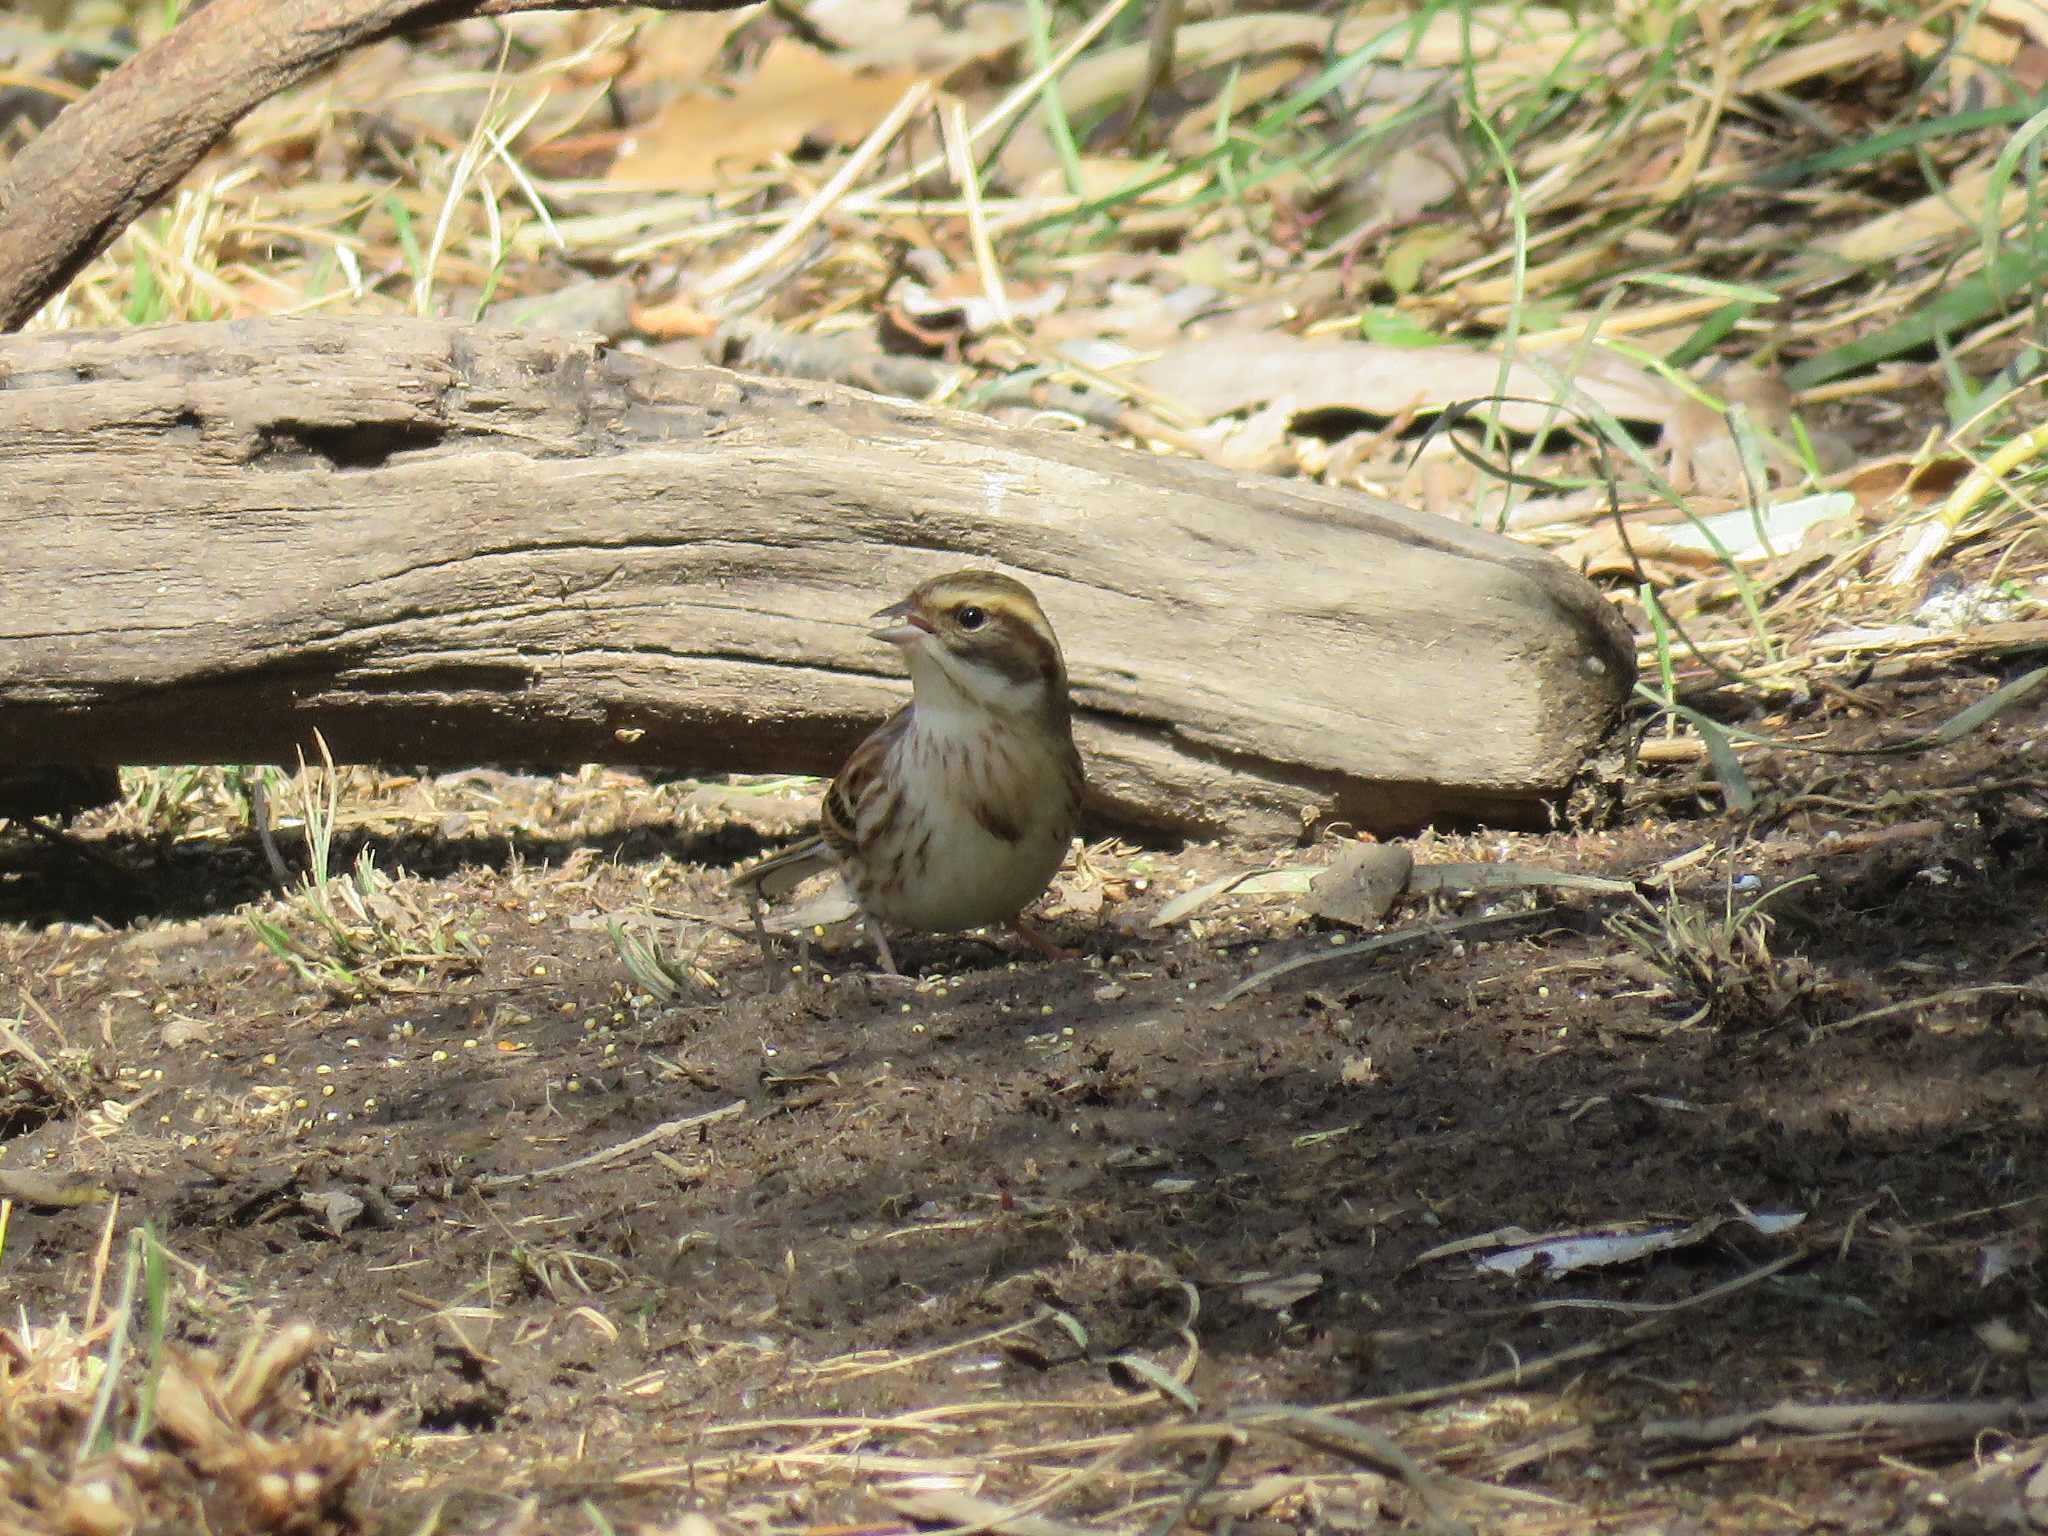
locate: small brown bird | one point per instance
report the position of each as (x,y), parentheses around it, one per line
(957,812)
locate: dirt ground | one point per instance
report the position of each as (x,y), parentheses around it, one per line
(1097,1176)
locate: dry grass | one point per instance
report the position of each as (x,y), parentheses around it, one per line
(106,1427)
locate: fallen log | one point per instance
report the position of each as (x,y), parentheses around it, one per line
(448,545)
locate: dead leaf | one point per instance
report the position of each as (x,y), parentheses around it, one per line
(1704,454)
(957,305)
(1227,374)
(1263,1494)
(1360,888)
(1645,556)
(2004,1255)
(184,1030)
(832,906)
(1358,1072)
(1559,1253)
(1279,1295)
(1259,446)
(678,318)
(673,55)
(1903,476)
(336,1209)
(1780,530)
(2001,1338)
(700,141)
(1669,548)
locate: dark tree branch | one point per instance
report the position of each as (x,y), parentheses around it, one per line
(109,158)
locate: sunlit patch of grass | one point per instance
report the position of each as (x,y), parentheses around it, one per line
(1721,960)
(360,931)
(113,1428)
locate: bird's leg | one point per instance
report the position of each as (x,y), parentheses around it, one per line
(770,960)
(1038,941)
(881,944)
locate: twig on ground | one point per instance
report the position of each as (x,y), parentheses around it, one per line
(662,1132)
(1525,1370)
(1327,1431)
(1931,1000)
(853,1367)
(1948,1421)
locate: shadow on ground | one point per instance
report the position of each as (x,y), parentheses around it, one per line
(917,1162)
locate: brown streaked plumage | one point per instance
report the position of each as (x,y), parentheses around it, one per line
(956,812)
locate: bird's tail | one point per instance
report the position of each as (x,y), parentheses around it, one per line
(782,872)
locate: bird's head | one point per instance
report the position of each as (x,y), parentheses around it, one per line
(985,636)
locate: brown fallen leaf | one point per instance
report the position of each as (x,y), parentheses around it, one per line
(1704,454)
(677,318)
(672,55)
(700,141)
(1360,887)
(1646,555)
(1901,476)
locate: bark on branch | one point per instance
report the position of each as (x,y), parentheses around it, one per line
(107,159)
(450,545)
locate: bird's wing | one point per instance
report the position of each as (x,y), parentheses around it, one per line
(862,776)
(838,817)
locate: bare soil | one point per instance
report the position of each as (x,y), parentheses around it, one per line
(996,1139)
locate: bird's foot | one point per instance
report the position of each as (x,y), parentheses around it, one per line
(882,947)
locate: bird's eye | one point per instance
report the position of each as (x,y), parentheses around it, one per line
(970,617)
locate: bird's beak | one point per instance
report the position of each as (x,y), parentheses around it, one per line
(907,630)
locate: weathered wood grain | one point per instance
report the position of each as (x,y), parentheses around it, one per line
(447,545)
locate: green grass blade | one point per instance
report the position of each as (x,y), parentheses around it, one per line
(1980,713)
(1959,305)
(1899,139)
(1038,15)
